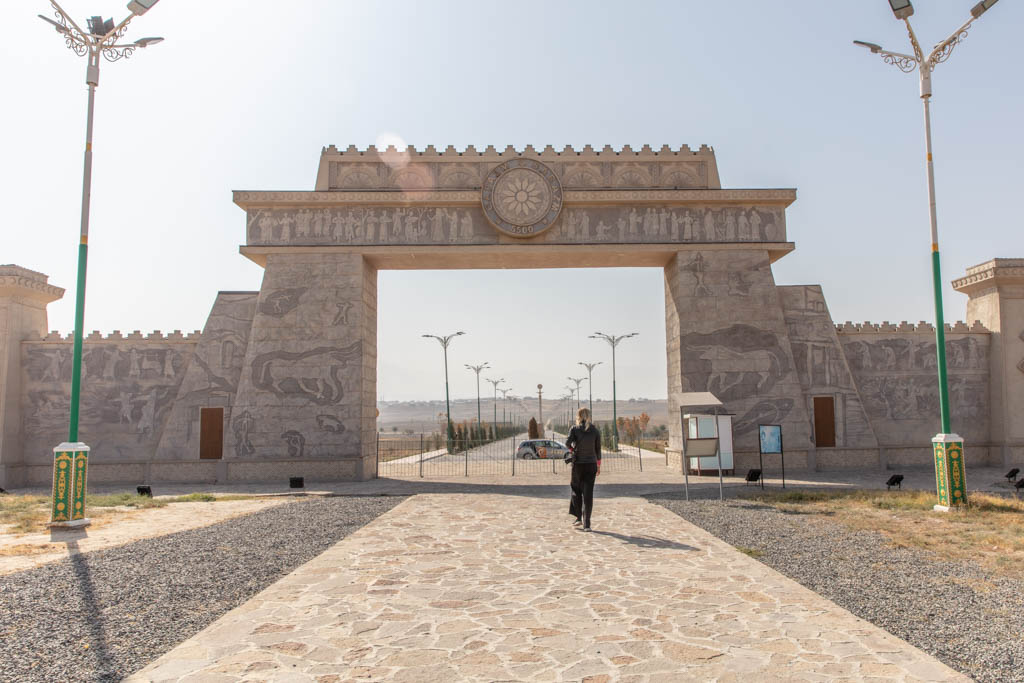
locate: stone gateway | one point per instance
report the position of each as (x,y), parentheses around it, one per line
(282,382)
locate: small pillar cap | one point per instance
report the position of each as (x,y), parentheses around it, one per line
(948,438)
(68,446)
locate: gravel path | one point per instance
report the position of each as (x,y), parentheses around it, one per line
(968,618)
(103,615)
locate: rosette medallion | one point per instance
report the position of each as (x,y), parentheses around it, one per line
(521,197)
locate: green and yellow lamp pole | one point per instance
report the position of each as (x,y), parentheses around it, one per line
(948,448)
(71,458)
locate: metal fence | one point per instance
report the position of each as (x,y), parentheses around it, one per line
(428,456)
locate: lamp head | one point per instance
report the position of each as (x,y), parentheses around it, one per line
(98,27)
(871,46)
(982,7)
(58,27)
(901,8)
(146,42)
(140,7)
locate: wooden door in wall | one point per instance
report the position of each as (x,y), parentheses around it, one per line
(211,433)
(824,421)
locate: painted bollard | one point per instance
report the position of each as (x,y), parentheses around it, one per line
(70,472)
(950,472)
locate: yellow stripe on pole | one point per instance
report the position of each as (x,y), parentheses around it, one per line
(935,247)
(929,156)
(88,147)
(84,240)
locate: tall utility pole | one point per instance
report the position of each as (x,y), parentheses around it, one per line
(477,369)
(947,447)
(613,342)
(590,382)
(496,382)
(445,341)
(71,458)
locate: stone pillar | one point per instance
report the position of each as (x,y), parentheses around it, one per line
(307,393)
(726,334)
(23,297)
(996,299)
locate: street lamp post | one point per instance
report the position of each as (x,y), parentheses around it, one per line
(540,408)
(71,459)
(579,380)
(504,404)
(496,382)
(477,369)
(445,341)
(951,480)
(613,341)
(590,382)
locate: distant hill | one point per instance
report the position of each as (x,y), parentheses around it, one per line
(423,416)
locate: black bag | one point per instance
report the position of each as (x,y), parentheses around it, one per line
(570,457)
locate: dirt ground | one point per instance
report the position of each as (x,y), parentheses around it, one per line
(118,526)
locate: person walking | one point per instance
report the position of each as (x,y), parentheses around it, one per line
(584,442)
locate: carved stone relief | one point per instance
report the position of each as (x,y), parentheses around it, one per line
(282,301)
(469,175)
(315,376)
(295,441)
(756,354)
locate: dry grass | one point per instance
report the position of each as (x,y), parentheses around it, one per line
(30,514)
(990,531)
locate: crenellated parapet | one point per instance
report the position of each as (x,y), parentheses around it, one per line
(904,327)
(155,336)
(491,152)
(409,169)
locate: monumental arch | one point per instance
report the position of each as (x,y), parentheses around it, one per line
(282,382)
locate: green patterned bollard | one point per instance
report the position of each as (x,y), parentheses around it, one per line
(950,472)
(70,469)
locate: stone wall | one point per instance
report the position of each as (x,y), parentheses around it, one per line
(129,385)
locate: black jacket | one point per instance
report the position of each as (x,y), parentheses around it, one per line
(585,443)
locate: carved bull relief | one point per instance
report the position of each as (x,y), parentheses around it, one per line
(759,351)
(315,376)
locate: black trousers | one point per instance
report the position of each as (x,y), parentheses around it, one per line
(581,502)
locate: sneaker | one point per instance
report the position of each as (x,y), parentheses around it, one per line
(586,528)
(578,522)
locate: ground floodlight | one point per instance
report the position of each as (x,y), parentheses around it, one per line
(144,491)
(901,8)
(895,480)
(871,46)
(1012,474)
(296,483)
(753,476)
(140,7)
(982,7)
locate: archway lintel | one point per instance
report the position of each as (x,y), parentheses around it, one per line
(518,256)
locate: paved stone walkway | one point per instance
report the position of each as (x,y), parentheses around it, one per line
(489,587)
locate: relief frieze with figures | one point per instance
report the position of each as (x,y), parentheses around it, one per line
(376,226)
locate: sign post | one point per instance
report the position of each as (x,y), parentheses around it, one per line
(770,443)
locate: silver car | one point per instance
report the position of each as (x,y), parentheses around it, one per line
(542,449)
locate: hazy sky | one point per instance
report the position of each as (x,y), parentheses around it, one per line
(243,95)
